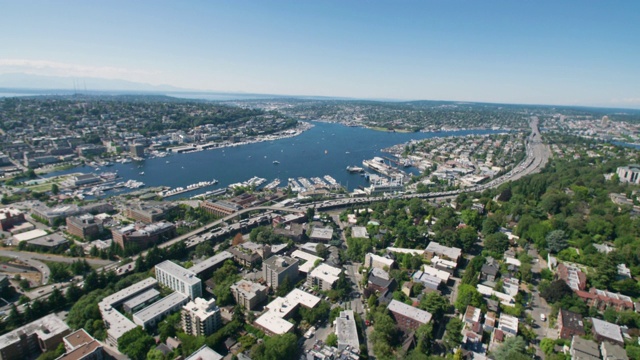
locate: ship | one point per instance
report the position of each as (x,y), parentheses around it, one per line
(276,162)
(354,169)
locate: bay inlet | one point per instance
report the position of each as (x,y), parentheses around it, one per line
(325,149)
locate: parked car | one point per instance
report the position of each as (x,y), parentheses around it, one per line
(543,317)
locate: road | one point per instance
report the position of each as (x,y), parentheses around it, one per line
(539,306)
(537,156)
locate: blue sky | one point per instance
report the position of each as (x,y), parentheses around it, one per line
(543,52)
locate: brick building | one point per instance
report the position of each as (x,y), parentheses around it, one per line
(144,235)
(408,317)
(9,217)
(570,324)
(83,226)
(220,208)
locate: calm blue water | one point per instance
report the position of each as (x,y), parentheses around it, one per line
(300,156)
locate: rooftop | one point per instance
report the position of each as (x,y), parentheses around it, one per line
(29,235)
(205,353)
(128,292)
(409,311)
(186,275)
(607,329)
(142,298)
(450,252)
(279,262)
(381,259)
(248,288)
(44,328)
(346,330)
(213,261)
(159,307)
(571,320)
(325,233)
(202,308)
(310,260)
(359,232)
(80,352)
(326,273)
(77,338)
(273,320)
(583,349)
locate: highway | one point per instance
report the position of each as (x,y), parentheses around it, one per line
(537,156)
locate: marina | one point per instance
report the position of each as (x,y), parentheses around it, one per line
(189,188)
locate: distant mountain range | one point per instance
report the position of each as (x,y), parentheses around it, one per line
(29,81)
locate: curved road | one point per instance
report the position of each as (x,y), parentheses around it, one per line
(537,156)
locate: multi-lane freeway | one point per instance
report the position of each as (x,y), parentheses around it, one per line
(537,156)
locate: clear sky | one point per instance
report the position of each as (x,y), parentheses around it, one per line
(513,51)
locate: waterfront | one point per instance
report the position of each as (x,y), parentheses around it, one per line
(325,149)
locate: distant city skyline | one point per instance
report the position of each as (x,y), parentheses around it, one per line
(546,52)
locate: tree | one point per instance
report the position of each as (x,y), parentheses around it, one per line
(453,336)
(424,337)
(237,240)
(556,291)
(434,303)
(497,243)
(322,251)
(279,347)
(135,343)
(556,241)
(547,345)
(467,237)
(332,340)
(490,226)
(55,189)
(311,212)
(513,348)
(205,250)
(467,295)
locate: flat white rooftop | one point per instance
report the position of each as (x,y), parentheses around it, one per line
(205,353)
(211,262)
(440,274)
(409,311)
(159,307)
(30,235)
(310,260)
(128,292)
(326,273)
(142,298)
(274,319)
(188,276)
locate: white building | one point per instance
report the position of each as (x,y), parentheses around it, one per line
(150,316)
(273,322)
(629,174)
(205,353)
(347,331)
(323,276)
(201,317)
(179,279)
(116,323)
(372,260)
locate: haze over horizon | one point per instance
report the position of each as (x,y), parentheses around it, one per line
(568,53)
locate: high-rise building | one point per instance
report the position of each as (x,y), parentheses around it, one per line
(179,279)
(137,150)
(278,268)
(201,317)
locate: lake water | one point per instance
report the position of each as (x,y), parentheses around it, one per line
(325,149)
